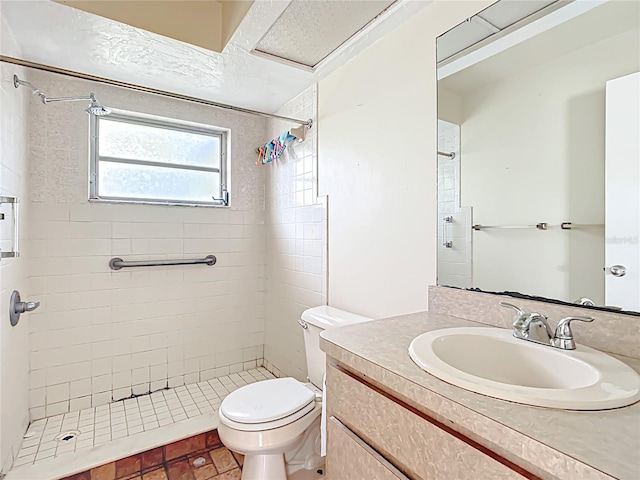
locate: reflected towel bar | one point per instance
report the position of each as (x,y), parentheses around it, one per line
(570,226)
(539,226)
(118,263)
(451,155)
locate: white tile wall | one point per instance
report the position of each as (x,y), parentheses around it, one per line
(103,335)
(296,242)
(455,263)
(14,360)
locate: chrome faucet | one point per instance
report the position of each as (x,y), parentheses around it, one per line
(534,327)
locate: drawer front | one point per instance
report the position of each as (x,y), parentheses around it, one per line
(349,458)
(420,449)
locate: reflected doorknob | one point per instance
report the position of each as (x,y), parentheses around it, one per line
(617,270)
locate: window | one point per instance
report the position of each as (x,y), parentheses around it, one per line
(141,159)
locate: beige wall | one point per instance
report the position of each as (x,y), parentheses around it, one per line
(377,161)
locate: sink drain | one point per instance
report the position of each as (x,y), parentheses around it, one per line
(66,436)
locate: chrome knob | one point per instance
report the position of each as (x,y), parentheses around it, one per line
(617,270)
(22,307)
(18,307)
(563,337)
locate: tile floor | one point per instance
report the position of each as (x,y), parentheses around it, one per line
(210,464)
(108,423)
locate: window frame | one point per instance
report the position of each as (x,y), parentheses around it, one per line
(167,124)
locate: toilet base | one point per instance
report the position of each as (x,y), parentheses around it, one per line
(262,467)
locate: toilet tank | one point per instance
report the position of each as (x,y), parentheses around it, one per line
(318,319)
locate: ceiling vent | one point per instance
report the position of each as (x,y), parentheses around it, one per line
(307,32)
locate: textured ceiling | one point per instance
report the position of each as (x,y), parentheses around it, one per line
(308,31)
(45,32)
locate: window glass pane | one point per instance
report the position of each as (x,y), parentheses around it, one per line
(143,142)
(146,182)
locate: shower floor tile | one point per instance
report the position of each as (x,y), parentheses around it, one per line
(92,427)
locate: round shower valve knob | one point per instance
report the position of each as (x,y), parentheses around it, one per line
(18,307)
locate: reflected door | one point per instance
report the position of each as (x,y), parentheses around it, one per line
(622,245)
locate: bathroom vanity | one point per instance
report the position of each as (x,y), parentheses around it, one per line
(388,419)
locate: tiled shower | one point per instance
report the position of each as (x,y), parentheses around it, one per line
(102,336)
(455,236)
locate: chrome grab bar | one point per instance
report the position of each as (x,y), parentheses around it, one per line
(445,220)
(118,263)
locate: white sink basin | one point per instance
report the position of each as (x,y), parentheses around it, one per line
(492,362)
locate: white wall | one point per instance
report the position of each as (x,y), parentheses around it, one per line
(377,163)
(14,350)
(101,335)
(296,241)
(533,151)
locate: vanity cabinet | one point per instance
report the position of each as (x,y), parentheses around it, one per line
(373,435)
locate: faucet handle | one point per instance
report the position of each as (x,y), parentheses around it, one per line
(518,310)
(564,336)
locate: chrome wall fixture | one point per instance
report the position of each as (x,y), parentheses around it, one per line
(616,270)
(94,107)
(15,247)
(118,263)
(539,226)
(451,155)
(17,307)
(139,88)
(446,221)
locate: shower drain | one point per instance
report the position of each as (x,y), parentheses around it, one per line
(66,436)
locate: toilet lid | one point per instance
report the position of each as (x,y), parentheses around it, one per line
(266,401)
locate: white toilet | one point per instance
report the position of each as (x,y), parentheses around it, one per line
(276,423)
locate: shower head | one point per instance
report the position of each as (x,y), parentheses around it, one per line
(94,108)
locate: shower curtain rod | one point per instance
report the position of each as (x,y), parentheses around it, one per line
(139,88)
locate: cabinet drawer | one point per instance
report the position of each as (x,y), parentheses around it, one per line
(416,446)
(348,457)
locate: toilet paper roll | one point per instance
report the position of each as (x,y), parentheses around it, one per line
(323,419)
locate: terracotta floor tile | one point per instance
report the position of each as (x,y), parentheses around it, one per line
(127,466)
(79,476)
(235,474)
(212,439)
(239,458)
(205,472)
(180,470)
(104,472)
(223,460)
(151,458)
(184,447)
(158,474)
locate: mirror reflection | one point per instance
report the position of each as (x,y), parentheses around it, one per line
(539,151)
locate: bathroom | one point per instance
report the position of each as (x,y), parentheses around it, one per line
(341,219)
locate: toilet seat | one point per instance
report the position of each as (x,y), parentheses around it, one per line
(266,404)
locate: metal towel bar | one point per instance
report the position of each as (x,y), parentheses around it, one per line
(118,263)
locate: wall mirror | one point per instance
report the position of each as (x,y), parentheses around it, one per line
(539,151)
